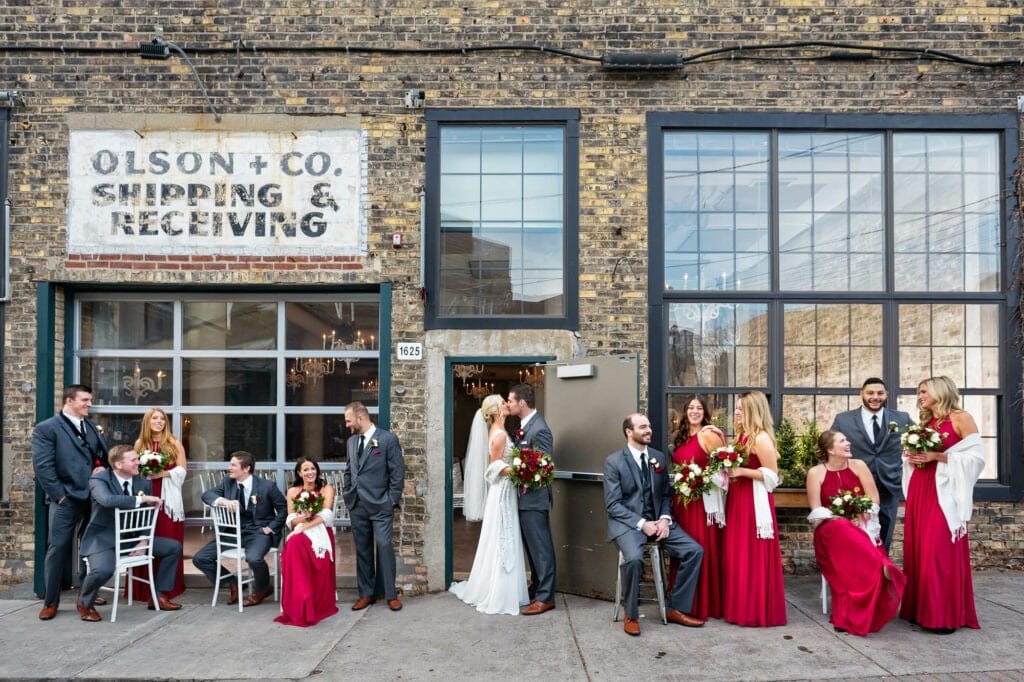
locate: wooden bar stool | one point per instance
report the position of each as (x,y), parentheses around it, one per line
(652,550)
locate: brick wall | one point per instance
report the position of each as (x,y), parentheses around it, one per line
(279,73)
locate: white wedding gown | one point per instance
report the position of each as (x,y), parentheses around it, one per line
(497,581)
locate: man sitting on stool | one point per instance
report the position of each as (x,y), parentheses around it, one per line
(121,487)
(638,497)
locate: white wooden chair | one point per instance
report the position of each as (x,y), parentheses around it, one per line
(227,529)
(824,595)
(133,547)
(341,518)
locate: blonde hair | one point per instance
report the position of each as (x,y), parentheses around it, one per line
(165,440)
(947,398)
(757,418)
(491,408)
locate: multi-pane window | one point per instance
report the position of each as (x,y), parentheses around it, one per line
(502,215)
(800,262)
(264,374)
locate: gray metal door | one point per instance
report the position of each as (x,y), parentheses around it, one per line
(585,402)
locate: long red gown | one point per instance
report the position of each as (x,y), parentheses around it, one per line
(940,591)
(707,601)
(165,528)
(863,600)
(307,583)
(752,589)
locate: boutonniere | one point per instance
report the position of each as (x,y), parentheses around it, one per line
(140,494)
(254,499)
(893,427)
(519,434)
(655,464)
(373,442)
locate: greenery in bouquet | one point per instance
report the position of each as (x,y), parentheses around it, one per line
(728,456)
(850,504)
(690,481)
(308,501)
(531,469)
(151,463)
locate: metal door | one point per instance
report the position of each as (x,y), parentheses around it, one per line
(585,402)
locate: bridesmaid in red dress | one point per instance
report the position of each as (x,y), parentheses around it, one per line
(752,588)
(866,586)
(156,436)
(936,553)
(691,443)
(307,561)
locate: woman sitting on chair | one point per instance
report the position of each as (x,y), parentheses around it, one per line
(866,586)
(307,562)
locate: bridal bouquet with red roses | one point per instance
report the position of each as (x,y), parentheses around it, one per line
(690,481)
(151,463)
(308,502)
(531,469)
(727,457)
(850,504)
(918,438)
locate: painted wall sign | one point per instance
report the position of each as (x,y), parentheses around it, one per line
(197,192)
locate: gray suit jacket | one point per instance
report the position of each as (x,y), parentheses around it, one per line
(623,491)
(884,459)
(107,495)
(537,435)
(63,464)
(377,475)
(269,510)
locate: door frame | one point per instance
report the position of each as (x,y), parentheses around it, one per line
(449,406)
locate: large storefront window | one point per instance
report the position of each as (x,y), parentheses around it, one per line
(270,375)
(502,213)
(800,262)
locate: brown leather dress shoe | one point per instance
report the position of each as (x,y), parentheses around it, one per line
(631,627)
(233,595)
(362,603)
(165,604)
(48,612)
(536,608)
(99,601)
(253,599)
(681,618)
(394,605)
(88,613)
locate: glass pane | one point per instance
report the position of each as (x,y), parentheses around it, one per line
(716,344)
(831,345)
(948,339)
(213,437)
(351,379)
(130,325)
(127,381)
(121,428)
(337,325)
(320,436)
(229,325)
(229,381)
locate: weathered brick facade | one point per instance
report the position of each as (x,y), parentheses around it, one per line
(264,58)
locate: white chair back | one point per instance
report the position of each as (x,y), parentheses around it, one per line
(227,529)
(133,547)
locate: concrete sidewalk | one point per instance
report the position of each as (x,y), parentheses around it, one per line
(437,637)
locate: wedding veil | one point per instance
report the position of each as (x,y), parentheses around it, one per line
(474,466)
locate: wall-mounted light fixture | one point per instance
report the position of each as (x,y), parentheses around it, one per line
(158,48)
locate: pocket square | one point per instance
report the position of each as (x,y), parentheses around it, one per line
(376,453)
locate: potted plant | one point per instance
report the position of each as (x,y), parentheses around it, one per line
(796,456)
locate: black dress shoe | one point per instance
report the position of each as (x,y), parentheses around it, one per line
(940,631)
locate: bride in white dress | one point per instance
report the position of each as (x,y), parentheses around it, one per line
(497,581)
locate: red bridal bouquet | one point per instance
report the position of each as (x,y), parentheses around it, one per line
(531,469)
(850,504)
(151,463)
(690,481)
(727,457)
(308,502)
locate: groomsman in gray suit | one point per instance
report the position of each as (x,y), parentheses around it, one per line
(372,489)
(67,449)
(638,496)
(535,505)
(873,432)
(121,488)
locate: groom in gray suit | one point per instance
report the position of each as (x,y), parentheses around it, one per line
(535,505)
(121,487)
(372,489)
(638,496)
(67,449)
(877,443)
